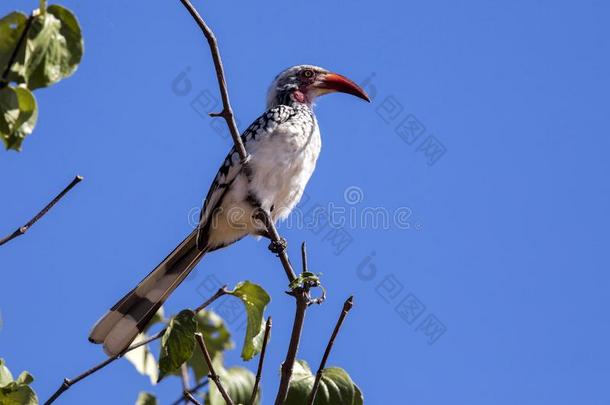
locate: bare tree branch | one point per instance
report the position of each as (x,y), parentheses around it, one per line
(191,398)
(186,391)
(70,382)
(213,376)
(261,360)
(278,243)
(346,308)
(301,295)
(192,391)
(227,111)
(227,114)
(23,229)
(295,337)
(184,377)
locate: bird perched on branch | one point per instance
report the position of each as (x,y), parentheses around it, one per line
(283,145)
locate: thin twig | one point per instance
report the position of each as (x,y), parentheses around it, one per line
(186,392)
(346,308)
(4,79)
(190,398)
(213,376)
(67,383)
(227,111)
(184,377)
(23,229)
(304,264)
(221,291)
(192,391)
(261,360)
(275,237)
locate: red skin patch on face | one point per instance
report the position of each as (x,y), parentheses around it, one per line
(299,96)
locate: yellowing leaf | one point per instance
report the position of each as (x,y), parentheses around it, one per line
(143,360)
(255,299)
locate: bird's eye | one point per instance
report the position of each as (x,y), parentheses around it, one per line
(308,73)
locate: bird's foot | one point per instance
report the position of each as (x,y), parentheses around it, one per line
(279,246)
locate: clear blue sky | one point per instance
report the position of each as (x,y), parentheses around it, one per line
(507,238)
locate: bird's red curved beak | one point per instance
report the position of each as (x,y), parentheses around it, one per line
(336,82)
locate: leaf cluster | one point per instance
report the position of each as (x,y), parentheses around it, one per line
(178,347)
(16,392)
(36,51)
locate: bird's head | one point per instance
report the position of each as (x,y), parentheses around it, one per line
(302,84)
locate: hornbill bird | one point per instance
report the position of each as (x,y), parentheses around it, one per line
(283,144)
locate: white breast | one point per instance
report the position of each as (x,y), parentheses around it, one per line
(283,157)
(282,165)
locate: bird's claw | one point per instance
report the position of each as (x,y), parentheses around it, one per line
(279,246)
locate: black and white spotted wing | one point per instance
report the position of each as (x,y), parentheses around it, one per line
(263,126)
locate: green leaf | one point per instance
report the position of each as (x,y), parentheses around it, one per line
(237,381)
(18,115)
(146,398)
(336,387)
(359,398)
(52,50)
(70,30)
(217,339)
(5,374)
(24,378)
(178,342)
(16,392)
(11,28)
(255,299)
(143,360)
